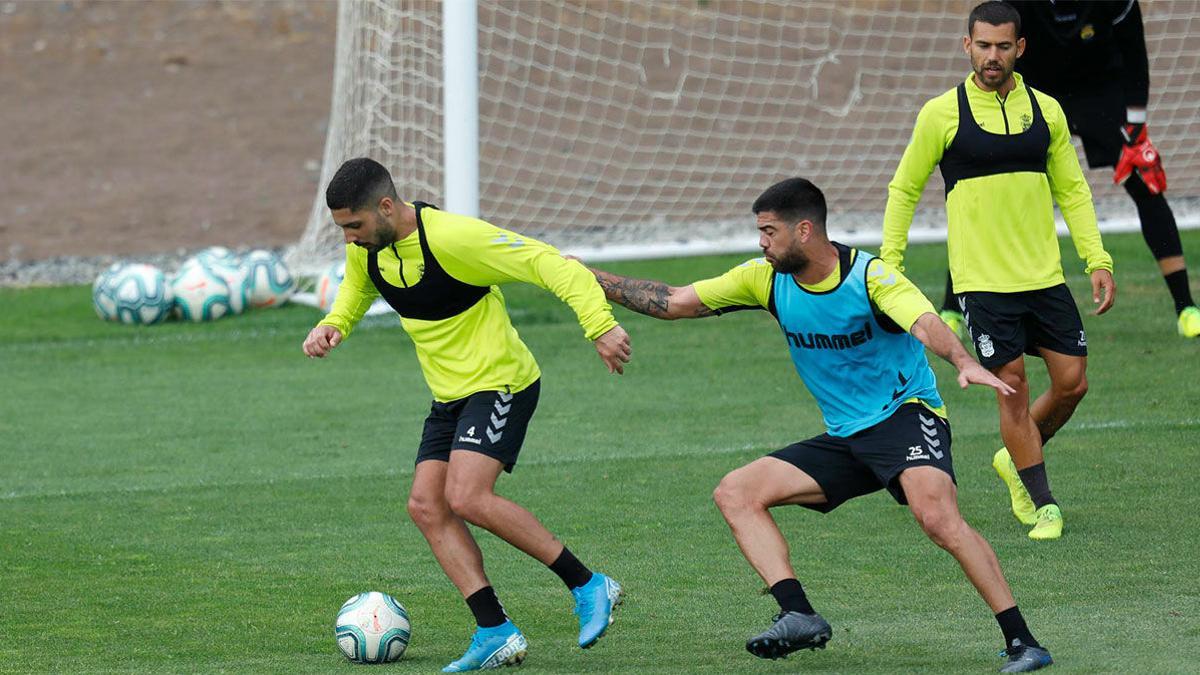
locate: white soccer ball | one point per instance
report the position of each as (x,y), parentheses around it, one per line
(225,264)
(200,293)
(327,285)
(132,293)
(217,256)
(269,283)
(372,628)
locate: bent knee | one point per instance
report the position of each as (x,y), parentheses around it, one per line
(465,504)
(1080,389)
(731,495)
(425,509)
(944,526)
(1070,391)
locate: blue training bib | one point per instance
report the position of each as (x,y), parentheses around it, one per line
(859,365)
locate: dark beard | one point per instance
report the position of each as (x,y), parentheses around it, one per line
(794,262)
(981,75)
(385,234)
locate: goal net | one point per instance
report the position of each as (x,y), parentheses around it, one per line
(640,128)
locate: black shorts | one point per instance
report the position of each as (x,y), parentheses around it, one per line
(1005,325)
(1096,117)
(489,422)
(873,458)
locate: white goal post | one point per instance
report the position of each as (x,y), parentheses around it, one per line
(639,128)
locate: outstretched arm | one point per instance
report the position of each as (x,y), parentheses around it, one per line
(652,298)
(937,336)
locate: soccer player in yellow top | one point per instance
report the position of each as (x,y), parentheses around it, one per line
(856,330)
(1006,155)
(439,271)
(1090,55)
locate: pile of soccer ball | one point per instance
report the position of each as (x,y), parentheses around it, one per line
(209,285)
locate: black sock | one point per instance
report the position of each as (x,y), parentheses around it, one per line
(1036,483)
(486,607)
(1014,628)
(791,598)
(950,300)
(1177,283)
(568,568)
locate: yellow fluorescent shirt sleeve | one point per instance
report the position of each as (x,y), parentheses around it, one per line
(746,286)
(895,295)
(920,158)
(1071,191)
(482,254)
(355,294)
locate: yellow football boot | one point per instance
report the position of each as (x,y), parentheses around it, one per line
(955,321)
(1189,322)
(1022,505)
(1049,523)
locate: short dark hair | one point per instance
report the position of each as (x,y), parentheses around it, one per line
(358,183)
(994,13)
(793,200)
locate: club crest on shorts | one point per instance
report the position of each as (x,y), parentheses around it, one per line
(986,348)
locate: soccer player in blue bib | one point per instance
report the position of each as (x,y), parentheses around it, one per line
(857,330)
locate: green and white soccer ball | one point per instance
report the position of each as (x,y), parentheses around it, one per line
(200,293)
(226,265)
(327,285)
(372,628)
(268,283)
(132,293)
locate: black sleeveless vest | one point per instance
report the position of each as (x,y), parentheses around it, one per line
(974,152)
(436,296)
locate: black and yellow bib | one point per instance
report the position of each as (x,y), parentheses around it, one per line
(436,296)
(974,152)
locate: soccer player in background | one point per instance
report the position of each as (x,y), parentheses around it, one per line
(1006,156)
(855,328)
(1091,57)
(439,271)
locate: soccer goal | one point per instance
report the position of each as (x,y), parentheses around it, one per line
(644,128)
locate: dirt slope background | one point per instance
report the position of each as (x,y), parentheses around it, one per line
(140,128)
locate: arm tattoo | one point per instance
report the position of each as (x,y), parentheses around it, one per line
(645,297)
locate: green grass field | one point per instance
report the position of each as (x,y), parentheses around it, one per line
(199,498)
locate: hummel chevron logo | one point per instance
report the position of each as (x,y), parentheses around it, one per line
(504,397)
(503,239)
(493,436)
(877,272)
(498,422)
(503,409)
(929,429)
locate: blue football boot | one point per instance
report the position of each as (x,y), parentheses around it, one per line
(594,603)
(493,647)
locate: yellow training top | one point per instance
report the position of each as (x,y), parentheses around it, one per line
(477,349)
(1000,217)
